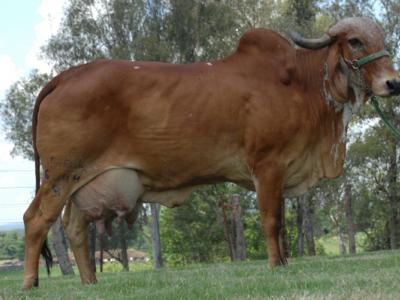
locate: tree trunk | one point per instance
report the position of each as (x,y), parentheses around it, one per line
(124,248)
(392,231)
(223,220)
(308,225)
(155,236)
(92,245)
(283,239)
(350,221)
(59,244)
(342,243)
(101,237)
(392,174)
(299,222)
(240,244)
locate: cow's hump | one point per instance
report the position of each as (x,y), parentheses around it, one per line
(265,41)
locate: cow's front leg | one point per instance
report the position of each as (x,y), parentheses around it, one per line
(269,186)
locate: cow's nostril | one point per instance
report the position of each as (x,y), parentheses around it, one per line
(390,84)
(393,86)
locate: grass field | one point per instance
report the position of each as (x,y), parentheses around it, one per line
(331,243)
(366,276)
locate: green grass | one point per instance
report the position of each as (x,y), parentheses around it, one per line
(331,243)
(365,276)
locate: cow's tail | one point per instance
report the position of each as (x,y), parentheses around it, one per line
(46,253)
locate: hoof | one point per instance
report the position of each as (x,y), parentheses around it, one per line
(279,262)
(91,280)
(30,283)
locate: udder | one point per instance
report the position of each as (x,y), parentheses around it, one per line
(112,194)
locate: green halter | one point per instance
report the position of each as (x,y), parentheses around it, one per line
(369,58)
(357,64)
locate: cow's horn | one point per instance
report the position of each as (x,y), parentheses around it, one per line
(319,43)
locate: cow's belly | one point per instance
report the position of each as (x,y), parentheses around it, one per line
(111,194)
(164,169)
(171,198)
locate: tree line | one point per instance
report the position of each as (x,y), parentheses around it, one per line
(364,200)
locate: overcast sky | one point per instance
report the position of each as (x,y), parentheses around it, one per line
(25,25)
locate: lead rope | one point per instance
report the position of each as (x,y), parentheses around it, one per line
(375,104)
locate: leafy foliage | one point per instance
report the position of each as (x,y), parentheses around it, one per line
(191,233)
(11,246)
(16,112)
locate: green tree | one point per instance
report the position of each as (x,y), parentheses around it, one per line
(11,246)
(191,233)
(302,14)
(16,112)
(375,174)
(201,30)
(339,9)
(93,29)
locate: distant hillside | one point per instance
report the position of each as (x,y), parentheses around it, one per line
(11,227)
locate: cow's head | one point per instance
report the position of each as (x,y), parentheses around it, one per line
(350,41)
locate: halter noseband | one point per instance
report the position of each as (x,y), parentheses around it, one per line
(358,63)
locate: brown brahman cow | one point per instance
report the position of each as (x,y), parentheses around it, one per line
(269,117)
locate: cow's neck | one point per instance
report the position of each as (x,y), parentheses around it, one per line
(331,117)
(309,69)
(352,102)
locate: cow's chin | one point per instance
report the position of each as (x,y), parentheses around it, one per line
(381,93)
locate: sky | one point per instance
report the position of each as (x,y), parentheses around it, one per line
(25,25)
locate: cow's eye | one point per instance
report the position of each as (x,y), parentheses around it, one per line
(356,44)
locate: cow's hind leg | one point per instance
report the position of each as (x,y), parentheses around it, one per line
(38,218)
(77,232)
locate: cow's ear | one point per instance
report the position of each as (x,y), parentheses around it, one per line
(338,74)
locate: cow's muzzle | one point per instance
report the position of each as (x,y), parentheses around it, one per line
(393,86)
